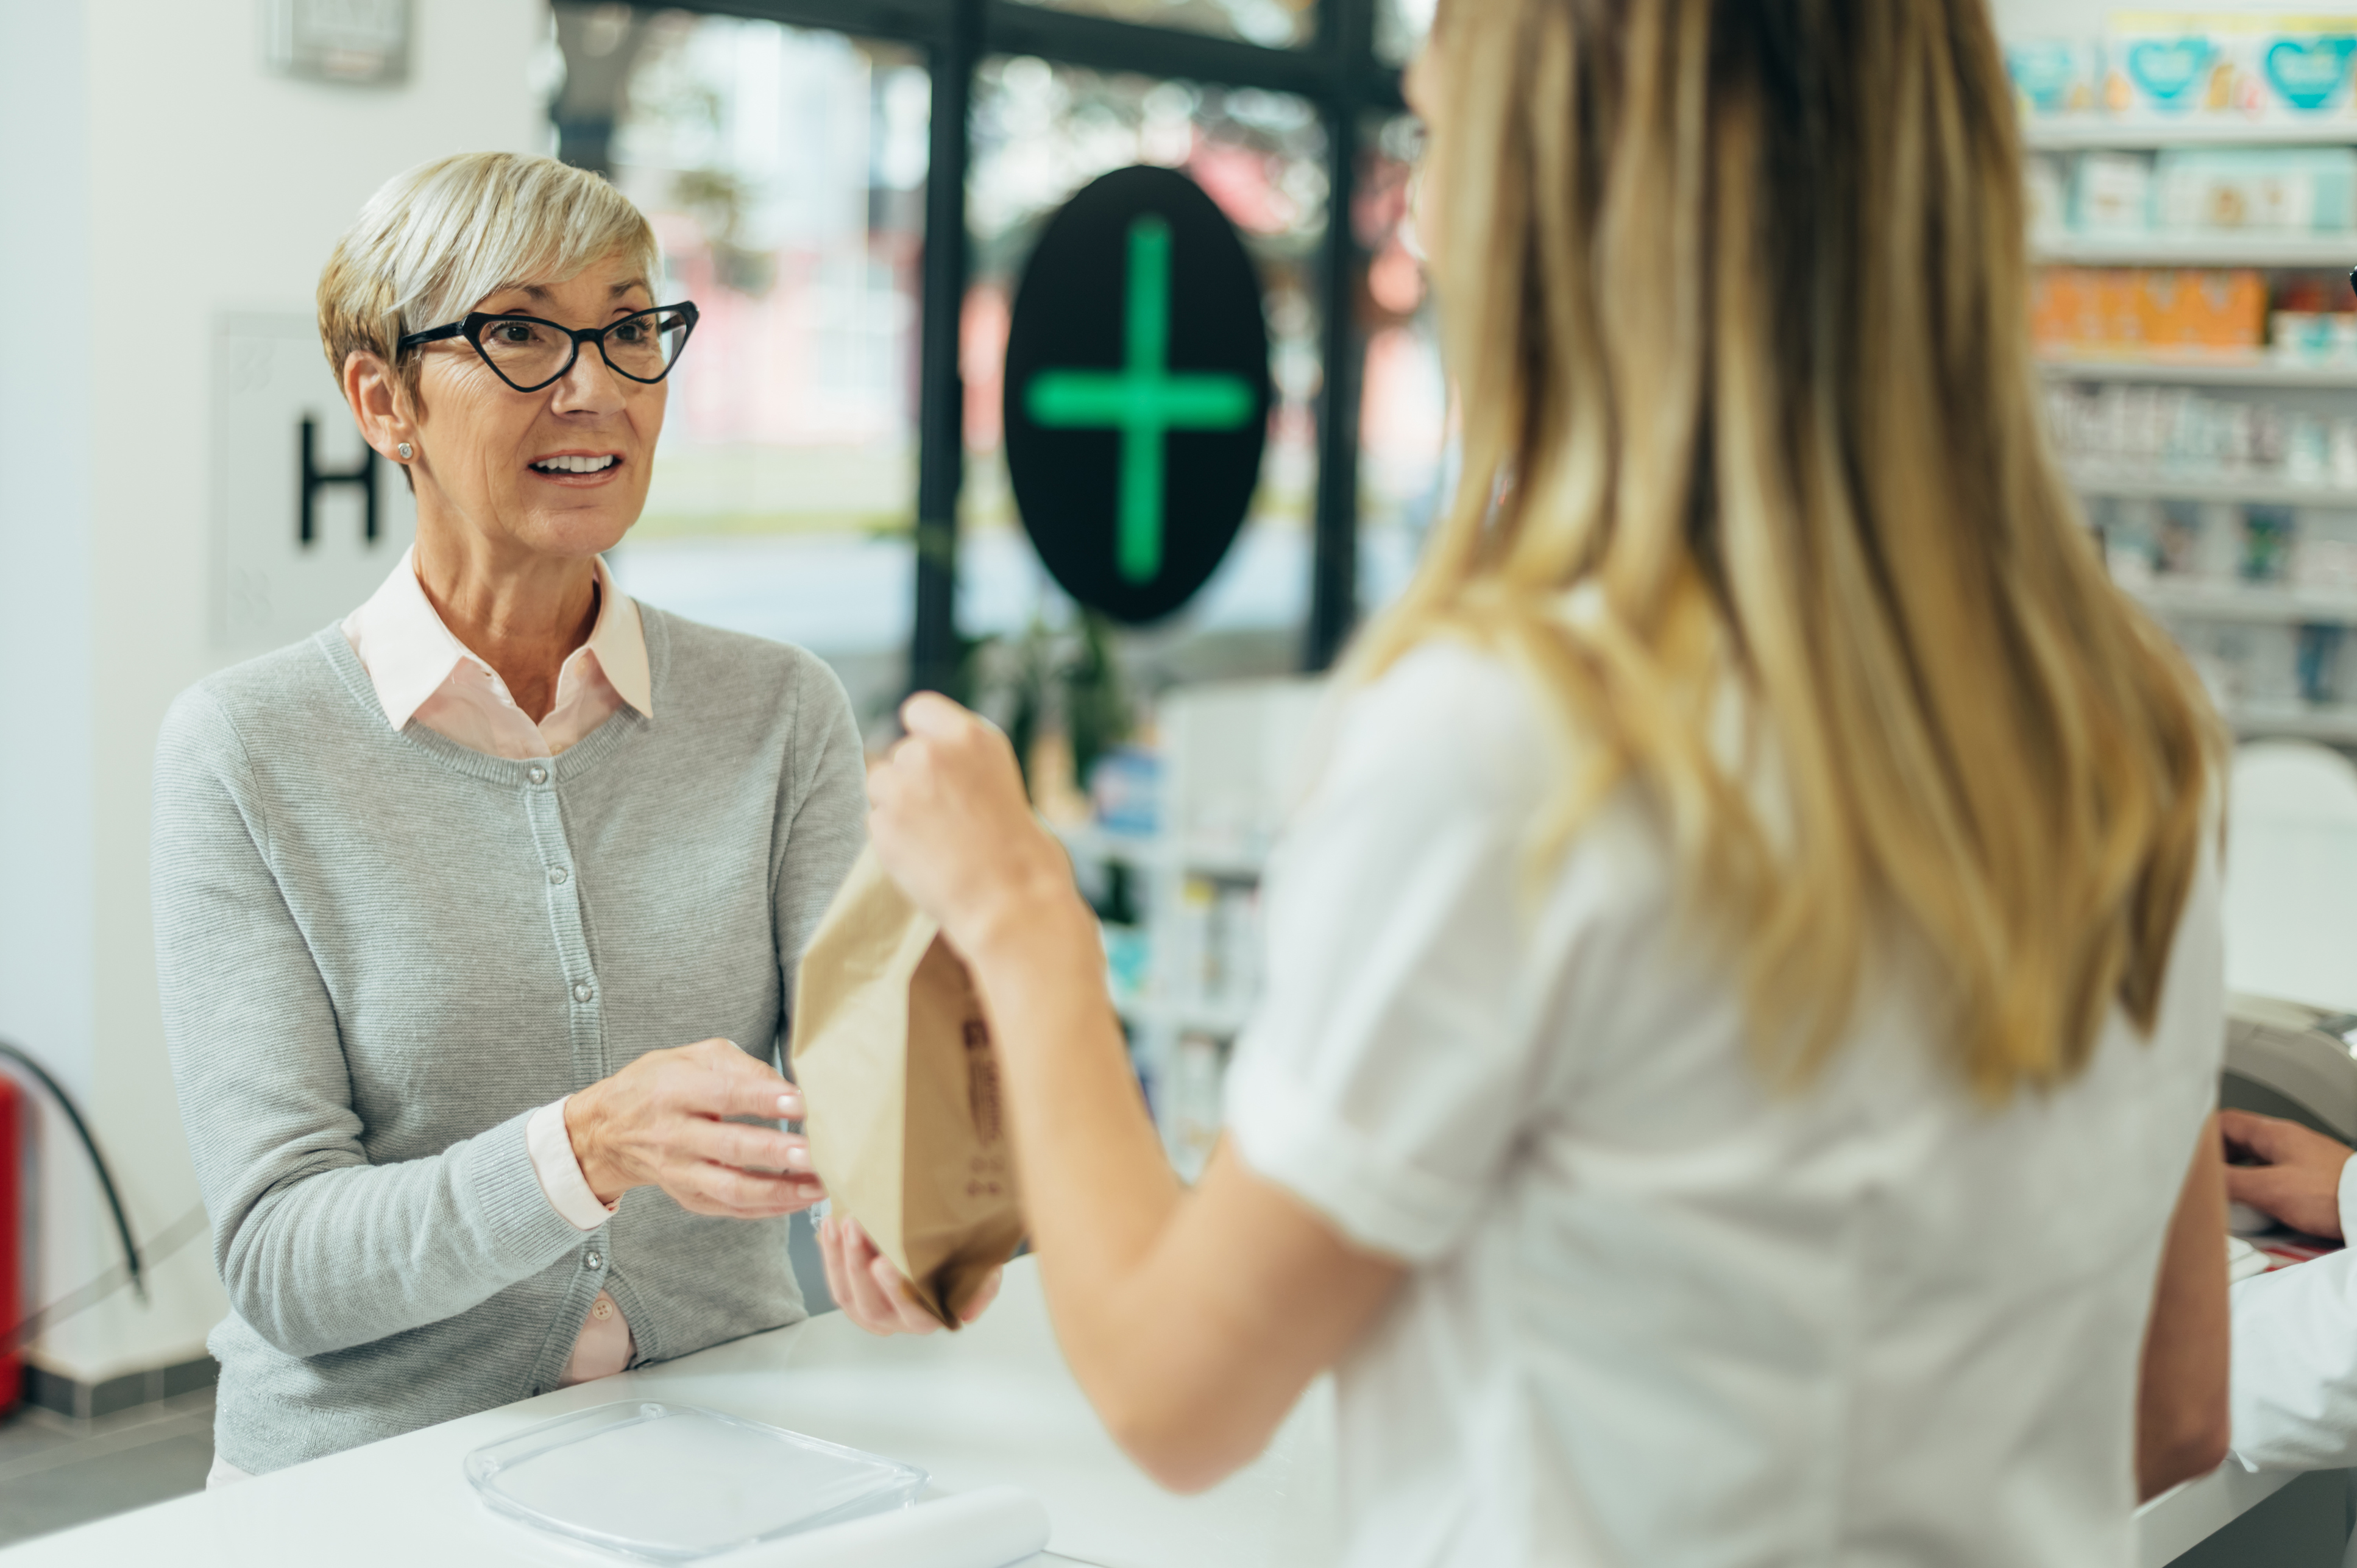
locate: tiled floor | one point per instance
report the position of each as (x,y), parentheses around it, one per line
(56,1472)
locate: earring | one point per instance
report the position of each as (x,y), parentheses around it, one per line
(406,451)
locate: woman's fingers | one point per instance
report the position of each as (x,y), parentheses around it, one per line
(906,1316)
(868,1288)
(662,1121)
(746,1147)
(830,1259)
(983,1297)
(715,1079)
(950,822)
(743,1195)
(854,1288)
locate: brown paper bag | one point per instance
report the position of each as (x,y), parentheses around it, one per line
(900,1093)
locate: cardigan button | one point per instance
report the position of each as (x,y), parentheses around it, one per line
(595,1259)
(556,876)
(583,990)
(536,773)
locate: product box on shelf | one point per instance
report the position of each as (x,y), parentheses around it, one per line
(2307,65)
(2313,337)
(2191,313)
(2111,193)
(2163,64)
(2047,188)
(2270,190)
(2057,76)
(2237,65)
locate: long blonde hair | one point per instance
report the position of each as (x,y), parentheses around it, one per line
(1734,299)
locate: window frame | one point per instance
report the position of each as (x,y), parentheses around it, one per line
(1337,71)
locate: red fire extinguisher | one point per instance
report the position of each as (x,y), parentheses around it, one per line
(12,1238)
(17,1323)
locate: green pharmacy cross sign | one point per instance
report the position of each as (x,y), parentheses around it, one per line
(1136,393)
(1143,400)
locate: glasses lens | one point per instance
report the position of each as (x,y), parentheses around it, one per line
(526,352)
(644,346)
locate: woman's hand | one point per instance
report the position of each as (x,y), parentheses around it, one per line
(950,825)
(657,1123)
(870,1290)
(2293,1174)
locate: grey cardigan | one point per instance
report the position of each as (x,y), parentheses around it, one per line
(381,953)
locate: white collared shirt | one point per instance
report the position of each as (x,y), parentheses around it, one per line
(421,671)
(1656,1311)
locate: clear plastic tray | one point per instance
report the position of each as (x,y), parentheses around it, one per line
(674,1483)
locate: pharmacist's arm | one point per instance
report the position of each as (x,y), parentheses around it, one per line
(1242,1292)
(1193,1320)
(2181,1396)
(2294,1329)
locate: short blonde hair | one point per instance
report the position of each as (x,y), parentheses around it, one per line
(435,239)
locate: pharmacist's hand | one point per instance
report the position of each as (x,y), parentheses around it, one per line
(657,1123)
(950,825)
(869,1289)
(2296,1175)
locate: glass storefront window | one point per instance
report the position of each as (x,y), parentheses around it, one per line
(1405,446)
(1275,24)
(1041,131)
(783,170)
(1400,28)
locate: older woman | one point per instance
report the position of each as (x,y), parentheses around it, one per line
(477,912)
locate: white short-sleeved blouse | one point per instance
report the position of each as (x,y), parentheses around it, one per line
(1658,1315)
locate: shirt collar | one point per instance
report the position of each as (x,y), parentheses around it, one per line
(409,653)
(619,642)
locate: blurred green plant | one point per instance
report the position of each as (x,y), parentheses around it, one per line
(1050,679)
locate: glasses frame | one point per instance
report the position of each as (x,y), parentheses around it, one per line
(471,329)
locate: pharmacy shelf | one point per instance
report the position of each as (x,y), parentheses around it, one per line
(2298,721)
(2092,131)
(2249,602)
(2159,483)
(1090,842)
(2252,370)
(1213,861)
(2229,250)
(1222,1020)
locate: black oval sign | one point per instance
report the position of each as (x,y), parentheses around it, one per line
(1137,391)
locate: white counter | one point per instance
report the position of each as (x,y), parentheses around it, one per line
(991,1406)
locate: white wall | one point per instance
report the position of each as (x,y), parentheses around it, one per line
(157,175)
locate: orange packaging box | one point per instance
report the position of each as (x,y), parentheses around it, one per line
(2204,311)
(2086,310)
(2067,308)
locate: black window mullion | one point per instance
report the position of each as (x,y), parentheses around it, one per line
(1099,43)
(933,652)
(903,21)
(1346,29)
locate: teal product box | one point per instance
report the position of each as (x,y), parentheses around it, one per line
(2057,76)
(2309,74)
(2164,64)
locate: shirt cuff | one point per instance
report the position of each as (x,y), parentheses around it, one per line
(2349,1200)
(560,1172)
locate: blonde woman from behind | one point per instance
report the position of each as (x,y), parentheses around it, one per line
(1743,990)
